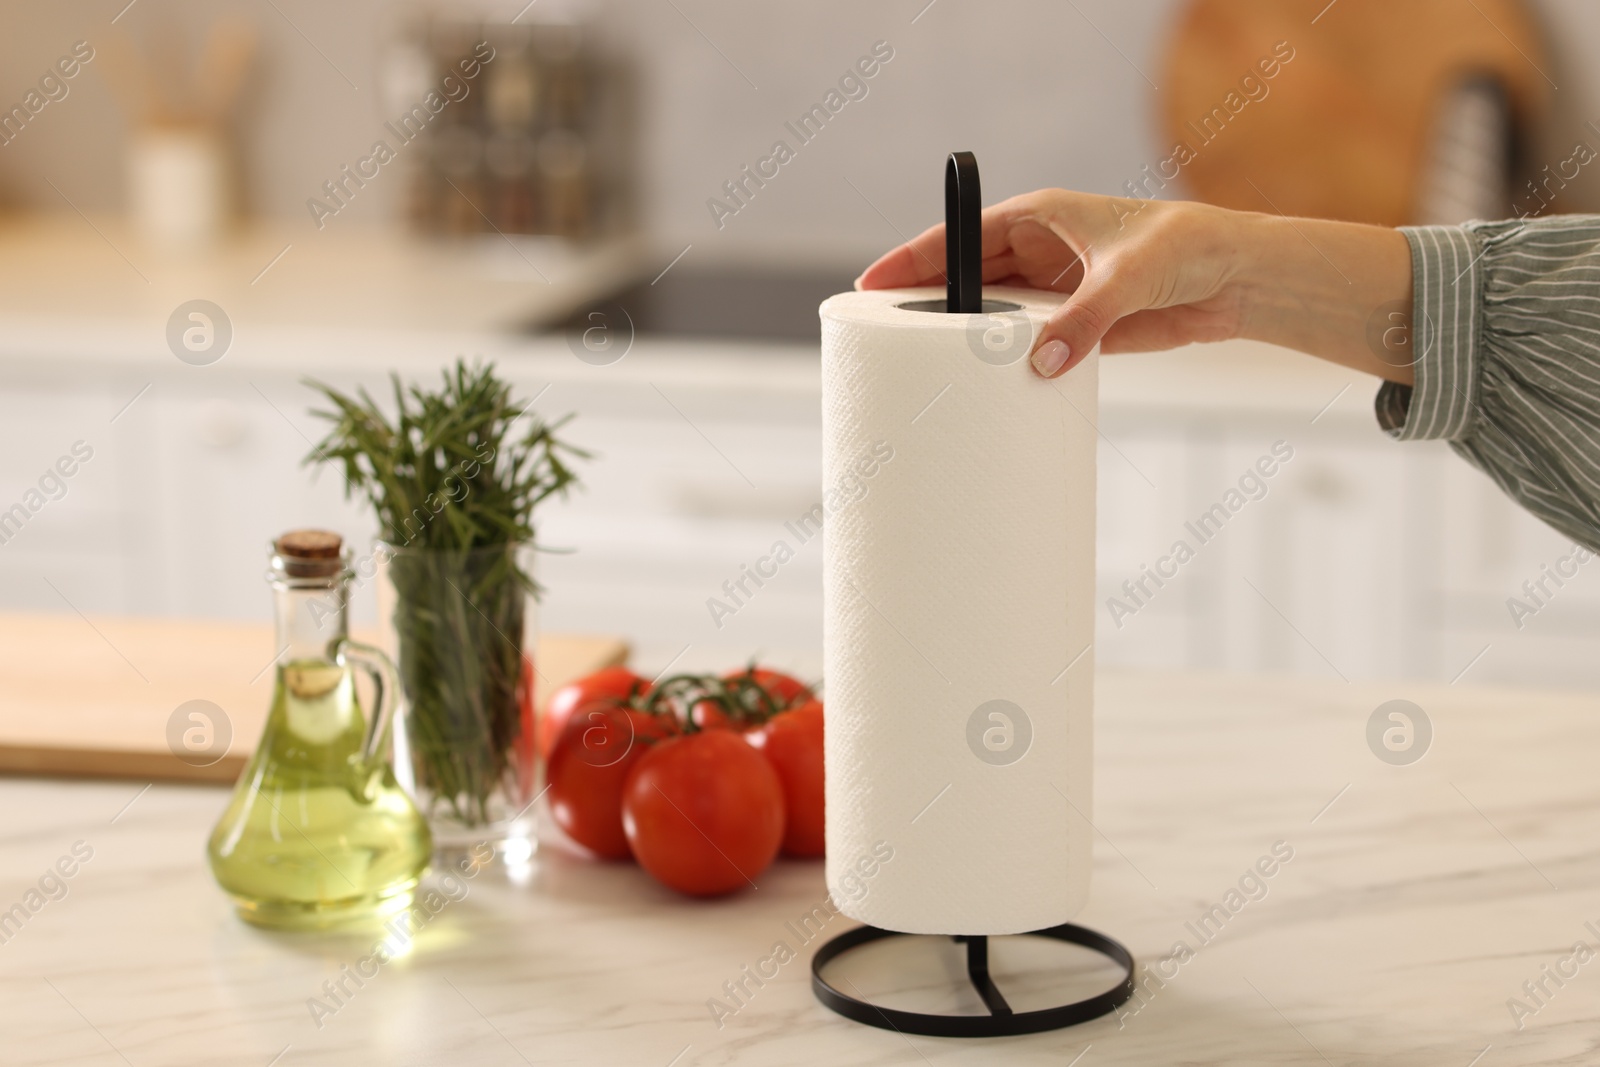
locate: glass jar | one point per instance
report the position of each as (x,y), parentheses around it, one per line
(462,626)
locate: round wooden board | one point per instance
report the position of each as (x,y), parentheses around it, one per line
(1340,128)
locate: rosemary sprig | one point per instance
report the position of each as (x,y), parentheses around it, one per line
(454,485)
(445,455)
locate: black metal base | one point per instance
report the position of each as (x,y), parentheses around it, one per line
(1001,1020)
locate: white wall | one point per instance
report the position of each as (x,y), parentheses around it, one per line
(1032,87)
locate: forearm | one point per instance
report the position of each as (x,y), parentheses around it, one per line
(1337,290)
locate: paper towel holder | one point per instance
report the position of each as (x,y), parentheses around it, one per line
(1001,1021)
(964,295)
(963,235)
(963,245)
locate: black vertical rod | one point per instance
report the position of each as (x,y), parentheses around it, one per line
(963,235)
(978,971)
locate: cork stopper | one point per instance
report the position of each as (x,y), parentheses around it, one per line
(310,553)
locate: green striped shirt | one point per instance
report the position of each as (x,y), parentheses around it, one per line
(1506,329)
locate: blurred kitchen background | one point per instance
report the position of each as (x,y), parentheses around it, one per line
(568,190)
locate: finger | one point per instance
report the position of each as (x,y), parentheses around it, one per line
(997,269)
(1157,329)
(921,260)
(1021,239)
(1144,331)
(1077,326)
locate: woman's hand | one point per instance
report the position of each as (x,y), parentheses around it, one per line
(1151,274)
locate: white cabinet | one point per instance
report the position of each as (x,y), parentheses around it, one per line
(1361,558)
(1365,558)
(62,534)
(173,513)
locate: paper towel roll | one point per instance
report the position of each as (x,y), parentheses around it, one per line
(958,584)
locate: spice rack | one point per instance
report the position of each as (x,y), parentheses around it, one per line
(538,143)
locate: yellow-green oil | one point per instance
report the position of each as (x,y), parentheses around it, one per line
(315,835)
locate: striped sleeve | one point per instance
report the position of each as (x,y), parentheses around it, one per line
(1506,337)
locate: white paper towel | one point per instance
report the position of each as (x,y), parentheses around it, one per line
(958,571)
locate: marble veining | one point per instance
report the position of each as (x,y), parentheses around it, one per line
(1418,902)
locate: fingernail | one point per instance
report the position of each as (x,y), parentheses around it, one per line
(1050,357)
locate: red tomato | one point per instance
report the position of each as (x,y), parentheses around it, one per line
(709,715)
(604,688)
(703,812)
(588,766)
(792,743)
(784,688)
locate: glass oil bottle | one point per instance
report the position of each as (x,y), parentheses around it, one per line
(318,833)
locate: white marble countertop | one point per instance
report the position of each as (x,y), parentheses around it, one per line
(84,295)
(1418,901)
(94,281)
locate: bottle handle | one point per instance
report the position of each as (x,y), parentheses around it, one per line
(386,695)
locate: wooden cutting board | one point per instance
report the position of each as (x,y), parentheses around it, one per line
(1341,128)
(93,696)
